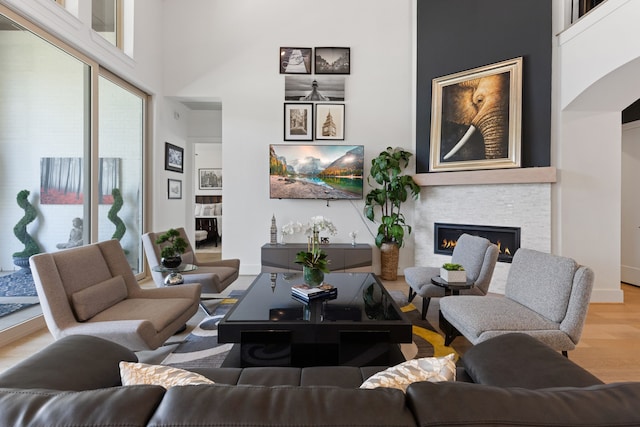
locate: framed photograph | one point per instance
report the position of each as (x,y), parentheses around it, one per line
(314,88)
(330,121)
(295,60)
(173,158)
(467,135)
(333,60)
(210,179)
(174,188)
(62,180)
(298,122)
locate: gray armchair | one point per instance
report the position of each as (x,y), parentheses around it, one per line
(546,296)
(476,254)
(91,290)
(214,276)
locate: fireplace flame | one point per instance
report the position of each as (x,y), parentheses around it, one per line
(448,244)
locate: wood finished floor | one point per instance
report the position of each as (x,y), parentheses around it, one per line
(609,347)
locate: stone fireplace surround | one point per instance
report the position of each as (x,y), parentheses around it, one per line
(524,205)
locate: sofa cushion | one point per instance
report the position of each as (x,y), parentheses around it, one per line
(223,405)
(519,360)
(423,369)
(92,300)
(164,376)
(463,404)
(75,362)
(117,406)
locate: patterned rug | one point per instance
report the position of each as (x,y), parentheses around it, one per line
(201,349)
(16,286)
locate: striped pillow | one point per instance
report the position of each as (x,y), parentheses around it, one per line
(431,369)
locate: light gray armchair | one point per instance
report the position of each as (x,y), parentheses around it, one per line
(546,296)
(91,290)
(214,276)
(476,254)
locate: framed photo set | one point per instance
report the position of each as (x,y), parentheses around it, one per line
(174,188)
(332,60)
(298,122)
(494,141)
(173,158)
(295,60)
(330,121)
(210,179)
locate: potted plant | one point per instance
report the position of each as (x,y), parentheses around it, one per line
(314,260)
(21,259)
(394,189)
(171,252)
(453,273)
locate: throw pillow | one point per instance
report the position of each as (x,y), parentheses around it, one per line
(92,300)
(198,210)
(164,376)
(431,369)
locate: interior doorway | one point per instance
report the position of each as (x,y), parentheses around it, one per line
(630,204)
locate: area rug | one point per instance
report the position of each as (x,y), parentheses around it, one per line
(9,308)
(18,284)
(201,348)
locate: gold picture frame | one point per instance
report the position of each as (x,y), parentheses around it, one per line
(476,118)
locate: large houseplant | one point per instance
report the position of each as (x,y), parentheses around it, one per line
(394,189)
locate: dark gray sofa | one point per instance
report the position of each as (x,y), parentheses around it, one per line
(506,381)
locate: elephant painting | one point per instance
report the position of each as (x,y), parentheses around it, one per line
(475,119)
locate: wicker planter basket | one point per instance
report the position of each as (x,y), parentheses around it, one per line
(389,253)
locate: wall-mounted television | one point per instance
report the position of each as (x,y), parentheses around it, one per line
(315,171)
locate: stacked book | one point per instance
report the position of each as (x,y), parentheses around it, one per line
(305,293)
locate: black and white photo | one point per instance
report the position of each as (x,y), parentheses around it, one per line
(210,179)
(298,122)
(314,88)
(173,157)
(174,188)
(333,60)
(295,60)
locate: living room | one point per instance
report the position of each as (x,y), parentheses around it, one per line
(225,52)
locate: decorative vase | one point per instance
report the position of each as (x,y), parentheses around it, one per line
(22,262)
(389,253)
(312,276)
(171,262)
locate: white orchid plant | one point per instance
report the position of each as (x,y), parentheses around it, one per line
(313,257)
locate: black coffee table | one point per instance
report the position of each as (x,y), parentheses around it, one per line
(362,326)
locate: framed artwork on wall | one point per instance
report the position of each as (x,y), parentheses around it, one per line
(295,60)
(330,121)
(332,60)
(173,158)
(476,118)
(210,179)
(314,88)
(298,122)
(174,188)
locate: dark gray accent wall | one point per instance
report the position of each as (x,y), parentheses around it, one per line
(458,35)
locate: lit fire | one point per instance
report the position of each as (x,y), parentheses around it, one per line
(450,244)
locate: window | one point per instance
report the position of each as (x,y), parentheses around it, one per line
(106,20)
(70,134)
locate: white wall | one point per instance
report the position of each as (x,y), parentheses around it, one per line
(596,72)
(229,50)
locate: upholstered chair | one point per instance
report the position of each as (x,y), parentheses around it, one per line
(546,296)
(91,290)
(476,254)
(214,276)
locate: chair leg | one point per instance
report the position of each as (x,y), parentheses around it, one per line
(425,307)
(412,294)
(565,354)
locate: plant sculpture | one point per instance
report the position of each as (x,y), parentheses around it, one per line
(113,215)
(386,171)
(20,230)
(177,245)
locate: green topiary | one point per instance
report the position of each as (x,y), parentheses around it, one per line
(20,230)
(113,214)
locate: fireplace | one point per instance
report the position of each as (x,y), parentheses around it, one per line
(507,238)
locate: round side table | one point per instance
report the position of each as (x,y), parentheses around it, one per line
(452,288)
(174,277)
